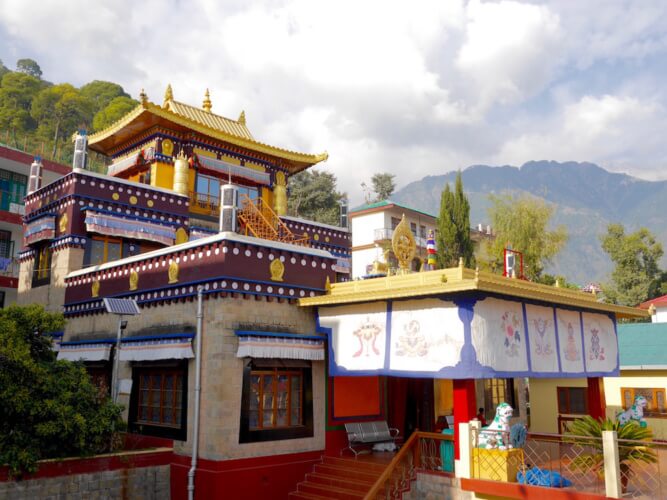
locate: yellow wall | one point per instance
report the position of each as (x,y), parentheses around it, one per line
(443,390)
(650,379)
(162,175)
(544,402)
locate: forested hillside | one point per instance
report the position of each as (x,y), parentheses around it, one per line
(40,117)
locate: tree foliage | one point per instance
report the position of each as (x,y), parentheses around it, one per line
(453,237)
(636,258)
(114,111)
(101,93)
(48,408)
(523,223)
(313,196)
(383,185)
(17,91)
(29,67)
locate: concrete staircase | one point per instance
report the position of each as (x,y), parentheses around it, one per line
(339,478)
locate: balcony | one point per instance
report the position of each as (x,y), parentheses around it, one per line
(9,265)
(386,233)
(204,204)
(12,202)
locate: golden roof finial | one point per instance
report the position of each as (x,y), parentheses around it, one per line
(143,98)
(241,119)
(651,309)
(168,95)
(207,105)
(404,246)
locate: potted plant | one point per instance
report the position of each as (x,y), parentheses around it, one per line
(629,453)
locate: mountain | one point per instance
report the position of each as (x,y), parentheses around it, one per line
(586,196)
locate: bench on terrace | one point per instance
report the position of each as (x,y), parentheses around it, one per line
(374,433)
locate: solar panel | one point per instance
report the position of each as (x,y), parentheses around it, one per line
(126,307)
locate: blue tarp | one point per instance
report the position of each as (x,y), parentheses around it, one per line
(539,477)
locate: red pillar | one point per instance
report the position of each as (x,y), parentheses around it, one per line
(464,407)
(596,401)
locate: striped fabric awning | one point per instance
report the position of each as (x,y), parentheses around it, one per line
(42,228)
(200,232)
(279,345)
(86,350)
(113,225)
(235,170)
(157,347)
(130,161)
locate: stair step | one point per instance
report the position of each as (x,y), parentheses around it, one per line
(330,491)
(362,485)
(331,470)
(300,494)
(354,463)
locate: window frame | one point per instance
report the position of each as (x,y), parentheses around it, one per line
(261,409)
(106,240)
(177,432)
(649,411)
(566,390)
(305,429)
(491,400)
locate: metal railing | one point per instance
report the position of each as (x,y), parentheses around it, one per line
(422,451)
(386,233)
(204,203)
(573,462)
(12,202)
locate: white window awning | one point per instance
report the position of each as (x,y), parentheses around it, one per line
(157,347)
(279,345)
(86,350)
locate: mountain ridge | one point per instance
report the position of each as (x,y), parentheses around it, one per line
(586,197)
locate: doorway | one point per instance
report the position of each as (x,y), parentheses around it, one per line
(410,404)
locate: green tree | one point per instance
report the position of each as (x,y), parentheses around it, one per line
(636,259)
(313,196)
(60,110)
(101,93)
(3,70)
(523,223)
(16,93)
(453,235)
(117,108)
(383,185)
(48,408)
(29,67)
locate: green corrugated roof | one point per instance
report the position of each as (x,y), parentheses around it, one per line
(385,203)
(642,344)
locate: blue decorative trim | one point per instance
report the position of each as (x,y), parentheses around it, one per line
(583,341)
(527,337)
(387,348)
(560,364)
(92,341)
(158,337)
(130,217)
(245,333)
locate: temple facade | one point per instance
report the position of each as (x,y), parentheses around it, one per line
(190,222)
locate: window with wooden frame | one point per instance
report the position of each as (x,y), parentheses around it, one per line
(654,396)
(276,401)
(496,391)
(42,270)
(572,400)
(104,249)
(158,404)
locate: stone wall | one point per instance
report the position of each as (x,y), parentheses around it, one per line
(145,483)
(436,487)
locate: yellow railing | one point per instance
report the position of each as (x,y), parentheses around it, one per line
(421,451)
(258,219)
(203,203)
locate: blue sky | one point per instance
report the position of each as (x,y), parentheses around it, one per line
(414,89)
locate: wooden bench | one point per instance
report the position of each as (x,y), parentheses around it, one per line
(368,433)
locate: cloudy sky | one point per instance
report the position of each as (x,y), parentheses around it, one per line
(411,88)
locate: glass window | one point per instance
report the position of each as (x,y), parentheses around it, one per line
(395,222)
(42,270)
(572,400)
(654,396)
(104,249)
(496,391)
(6,244)
(208,185)
(160,397)
(413,228)
(422,231)
(250,192)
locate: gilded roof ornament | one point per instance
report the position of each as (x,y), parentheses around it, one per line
(207,105)
(404,246)
(143,98)
(168,95)
(241,119)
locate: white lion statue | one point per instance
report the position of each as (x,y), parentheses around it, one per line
(635,412)
(497,434)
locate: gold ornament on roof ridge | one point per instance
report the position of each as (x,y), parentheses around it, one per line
(207,104)
(168,95)
(277,269)
(143,98)
(404,246)
(241,119)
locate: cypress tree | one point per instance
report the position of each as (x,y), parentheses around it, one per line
(453,239)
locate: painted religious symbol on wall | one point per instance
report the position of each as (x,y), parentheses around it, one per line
(411,342)
(596,351)
(571,351)
(510,325)
(543,346)
(367,334)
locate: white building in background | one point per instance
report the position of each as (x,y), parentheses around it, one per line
(372,228)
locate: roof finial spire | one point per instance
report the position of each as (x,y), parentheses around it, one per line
(168,95)
(207,105)
(241,119)
(143,98)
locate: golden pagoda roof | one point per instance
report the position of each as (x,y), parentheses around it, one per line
(460,279)
(182,117)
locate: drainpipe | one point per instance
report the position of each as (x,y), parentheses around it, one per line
(195,426)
